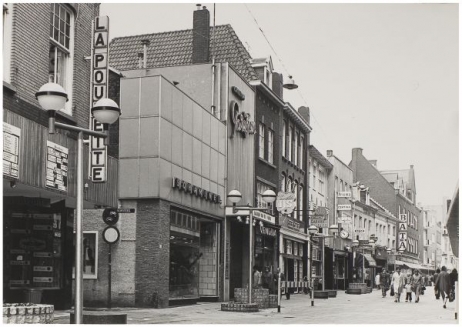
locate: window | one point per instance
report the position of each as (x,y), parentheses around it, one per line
(300,213)
(289,157)
(7,33)
(270,145)
(283,183)
(301,157)
(61,47)
(284,139)
(261,188)
(296,149)
(261,141)
(292,145)
(313,184)
(296,190)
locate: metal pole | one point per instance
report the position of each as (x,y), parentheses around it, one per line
(311,270)
(279,290)
(250,255)
(363,266)
(456,292)
(109,277)
(333,263)
(79,235)
(323,262)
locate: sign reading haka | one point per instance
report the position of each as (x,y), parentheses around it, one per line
(241,121)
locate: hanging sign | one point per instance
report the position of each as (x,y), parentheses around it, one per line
(403,217)
(344,194)
(341,207)
(402,227)
(57,157)
(286,202)
(99,90)
(11,135)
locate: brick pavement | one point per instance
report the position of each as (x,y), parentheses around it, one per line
(344,309)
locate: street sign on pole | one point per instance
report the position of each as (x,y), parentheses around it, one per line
(341,207)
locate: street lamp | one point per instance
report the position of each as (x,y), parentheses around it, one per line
(235,196)
(312,231)
(334,230)
(52,97)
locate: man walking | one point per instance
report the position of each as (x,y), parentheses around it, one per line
(384,282)
(443,285)
(377,280)
(435,276)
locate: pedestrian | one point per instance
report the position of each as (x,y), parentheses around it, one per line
(266,279)
(408,287)
(256,277)
(443,285)
(384,282)
(416,282)
(397,284)
(435,276)
(454,278)
(377,280)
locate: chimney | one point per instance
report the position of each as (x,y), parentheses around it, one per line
(305,113)
(412,166)
(145,44)
(277,85)
(330,153)
(201,36)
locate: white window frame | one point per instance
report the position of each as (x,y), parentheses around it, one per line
(69,65)
(284,131)
(93,235)
(270,146)
(300,156)
(289,157)
(300,213)
(7,39)
(296,149)
(261,141)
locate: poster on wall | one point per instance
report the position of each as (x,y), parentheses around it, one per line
(90,256)
(57,166)
(11,135)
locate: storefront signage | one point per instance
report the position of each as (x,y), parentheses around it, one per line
(344,194)
(195,190)
(286,202)
(20,263)
(320,222)
(403,217)
(19,282)
(42,254)
(402,241)
(11,135)
(42,280)
(402,227)
(32,244)
(57,168)
(99,90)
(264,216)
(291,224)
(43,268)
(341,207)
(266,231)
(25,201)
(241,121)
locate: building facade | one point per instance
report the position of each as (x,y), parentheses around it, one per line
(39,179)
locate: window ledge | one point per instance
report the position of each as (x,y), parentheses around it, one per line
(9,87)
(267,162)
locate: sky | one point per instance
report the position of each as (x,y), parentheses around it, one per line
(381,77)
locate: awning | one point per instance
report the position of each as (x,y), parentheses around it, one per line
(370,262)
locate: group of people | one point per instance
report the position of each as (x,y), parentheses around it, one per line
(398,283)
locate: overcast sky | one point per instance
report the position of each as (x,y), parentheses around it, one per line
(382,77)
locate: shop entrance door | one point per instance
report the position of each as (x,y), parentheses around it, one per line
(236,254)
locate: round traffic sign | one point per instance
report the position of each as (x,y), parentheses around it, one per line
(111,234)
(110,216)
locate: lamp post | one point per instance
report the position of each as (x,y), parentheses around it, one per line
(354,246)
(235,196)
(52,97)
(334,230)
(312,231)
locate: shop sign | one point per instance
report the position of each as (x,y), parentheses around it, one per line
(42,279)
(341,207)
(99,90)
(403,217)
(195,190)
(241,121)
(319,222)
(402,227)
(286,202)
(11,135)
(56,177)
(43,268)
(25,201)
(402,241)
(19,282)
(294,225)
(266,231)
(32,244)
(344,194)
(264,216)
(363,242)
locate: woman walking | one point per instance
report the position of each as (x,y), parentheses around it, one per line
(443,285)
(416,282)
(408,286)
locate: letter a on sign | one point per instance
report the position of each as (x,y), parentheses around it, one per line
(402,227)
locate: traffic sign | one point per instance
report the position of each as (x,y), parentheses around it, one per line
(126,210)
(110,216)
(111,234)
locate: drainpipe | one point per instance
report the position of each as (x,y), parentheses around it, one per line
(213,107)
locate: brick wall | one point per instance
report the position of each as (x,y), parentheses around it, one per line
(152,253)
(30,51)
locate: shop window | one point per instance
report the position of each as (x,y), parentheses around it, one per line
(261,188)
(300,249)
(288,247)
(284,139)
(61,48)
(295,248)
(90,255)
(296,149)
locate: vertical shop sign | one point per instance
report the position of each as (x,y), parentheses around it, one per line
(11,135)
(99,90)
(57,160)
(402,232)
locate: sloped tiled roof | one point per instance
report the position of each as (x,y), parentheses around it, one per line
(175,49)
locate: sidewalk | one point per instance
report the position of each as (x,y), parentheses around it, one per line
(344,309)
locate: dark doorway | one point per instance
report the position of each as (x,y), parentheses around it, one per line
(236,253)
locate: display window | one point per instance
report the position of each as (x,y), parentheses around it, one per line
(90,255)
(33,249)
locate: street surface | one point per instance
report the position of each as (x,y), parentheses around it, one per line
(344,309)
